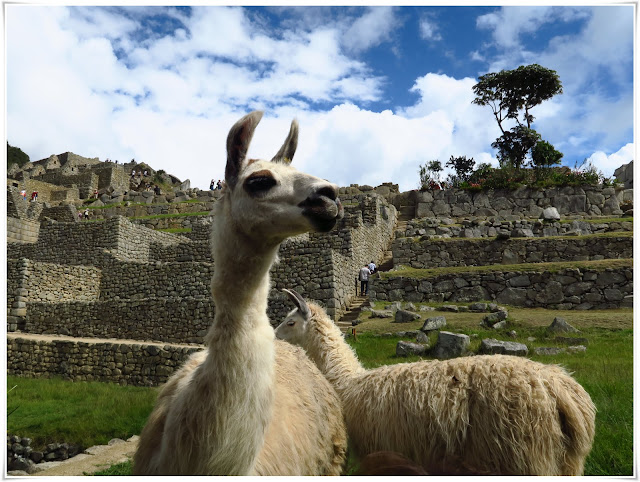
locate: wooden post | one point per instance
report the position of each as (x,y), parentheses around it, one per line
(353,332)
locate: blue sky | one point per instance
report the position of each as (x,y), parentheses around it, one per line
(377,90)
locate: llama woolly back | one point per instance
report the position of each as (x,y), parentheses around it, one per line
(490,414)
(249,404)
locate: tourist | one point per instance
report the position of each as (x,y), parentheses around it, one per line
(212,185)
(23,193)
(86,213)
(156,189)
(219,186)
(372,267)
(79,215)
(34,196)
(364,280)
(95,194)
(145,173)
(133,173)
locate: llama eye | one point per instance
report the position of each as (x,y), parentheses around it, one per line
(257,185)
(291,323)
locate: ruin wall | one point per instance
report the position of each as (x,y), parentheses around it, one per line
(566,289)
(431,253)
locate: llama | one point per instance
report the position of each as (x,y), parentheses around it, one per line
(495,414)
(238,407)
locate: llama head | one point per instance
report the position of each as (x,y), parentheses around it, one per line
(296,324)
(270,200)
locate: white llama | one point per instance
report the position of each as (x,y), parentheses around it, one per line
(249,404)
(493,414)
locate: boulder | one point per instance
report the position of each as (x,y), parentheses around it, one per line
(571,341)
(492,346)
(577,349)
(560,325)
(550,214)
(450,345)
(434,323)
(404,316)
(381,314)
(478,307)
(449,308)
(548,350)
(406,348)
(422,338)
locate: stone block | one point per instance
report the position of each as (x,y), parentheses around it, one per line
(560,325)
(493,346)
(433,323)
(404,316)
(406,348)
(450,345)
(548,350)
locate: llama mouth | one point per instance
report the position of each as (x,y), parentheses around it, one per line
(323,212)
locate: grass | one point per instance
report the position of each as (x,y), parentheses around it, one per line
(175,215)
(175,230)
(605,370)
(416,273)
(91,413)
(83,413)
(125,468)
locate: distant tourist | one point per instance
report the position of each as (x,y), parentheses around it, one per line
(34,196)
(363,276)
(23,193)
(86,213)
(219,185)
(95,194)
(145,173)
(156,189)
(133,173)
(79,215)
(372,267)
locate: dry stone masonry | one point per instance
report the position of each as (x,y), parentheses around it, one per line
(117,277)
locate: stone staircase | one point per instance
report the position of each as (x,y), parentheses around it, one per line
(405,213)
(352,313)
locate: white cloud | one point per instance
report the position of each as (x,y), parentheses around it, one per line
(429,29)
(371,29)
(609,163)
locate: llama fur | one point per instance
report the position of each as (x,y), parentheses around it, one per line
(249,404)
(498,414)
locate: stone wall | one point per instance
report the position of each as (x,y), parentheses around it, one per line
(49,192)
(570,288)
(430,253)
(522,202)
(126,364)
(93,243)
(525,202)
(168,320)
(480,228)
(56,283)
(22,230)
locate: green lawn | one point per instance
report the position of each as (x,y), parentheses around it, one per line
(83,413)
(90,413)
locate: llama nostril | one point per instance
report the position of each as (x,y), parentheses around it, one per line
(327,191)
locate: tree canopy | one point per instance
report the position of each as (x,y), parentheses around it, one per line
(512,94)
(15,155)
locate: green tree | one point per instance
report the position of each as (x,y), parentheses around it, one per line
(15,155)
(512,94)
(463,168)
(514,145)
(544,155)
(430,175)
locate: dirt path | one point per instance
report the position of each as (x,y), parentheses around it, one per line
(120,341)
(96,458)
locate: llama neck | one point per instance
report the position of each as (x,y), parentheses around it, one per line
(333,356)
(238,374)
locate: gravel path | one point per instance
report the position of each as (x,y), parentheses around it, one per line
(96,458)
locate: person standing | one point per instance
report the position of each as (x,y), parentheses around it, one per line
(364,280)
(372,267)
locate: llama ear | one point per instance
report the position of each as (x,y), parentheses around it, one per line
(238,142)
(288,149)
(299,302)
